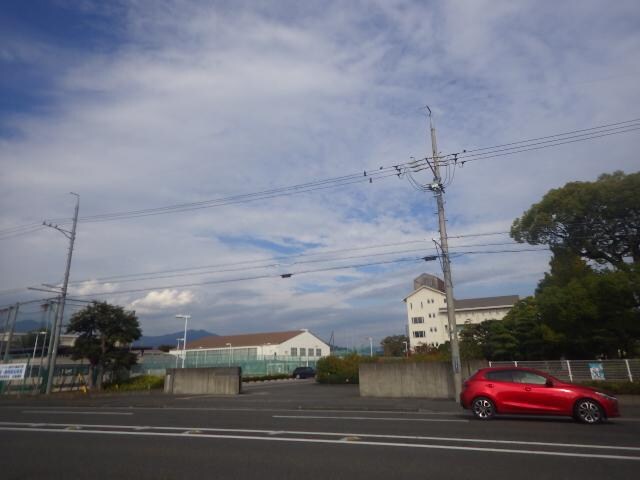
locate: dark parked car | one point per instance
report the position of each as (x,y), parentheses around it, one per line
(527,391)
(303,372)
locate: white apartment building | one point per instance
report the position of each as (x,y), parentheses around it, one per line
(427,311)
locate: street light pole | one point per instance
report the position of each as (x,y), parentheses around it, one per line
(370,347)
(33,357)
(184,339)
(229,345)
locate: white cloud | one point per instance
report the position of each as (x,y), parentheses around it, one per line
(156,301)
(199,101)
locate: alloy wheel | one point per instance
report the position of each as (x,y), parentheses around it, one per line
(589,411)
(483,408)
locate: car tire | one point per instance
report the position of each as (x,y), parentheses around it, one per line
(483,408)
(587,410)
(298,376)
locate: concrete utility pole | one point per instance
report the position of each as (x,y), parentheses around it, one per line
(57,325)
(446,265)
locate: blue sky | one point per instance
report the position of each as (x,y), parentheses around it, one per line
(143,104)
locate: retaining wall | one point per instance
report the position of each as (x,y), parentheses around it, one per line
(195,381)
(412,379)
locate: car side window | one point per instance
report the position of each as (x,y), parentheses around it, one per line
(500,375)
(529,377)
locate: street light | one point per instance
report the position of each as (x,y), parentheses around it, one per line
(370,347)
(184,339)
(229,345)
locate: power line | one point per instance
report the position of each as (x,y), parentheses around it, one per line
(288,275)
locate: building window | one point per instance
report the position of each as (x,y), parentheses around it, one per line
(318,352)
(410,306)
(435,329)
(418,333)
(421,306)
(303,352)
(415,320)
(294,352)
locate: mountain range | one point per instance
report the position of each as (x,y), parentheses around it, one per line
(144,341)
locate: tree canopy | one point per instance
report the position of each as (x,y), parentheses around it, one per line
(395,345)
(598,221)
(105,331)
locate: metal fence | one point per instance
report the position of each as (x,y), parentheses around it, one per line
(627,370)
(252,365)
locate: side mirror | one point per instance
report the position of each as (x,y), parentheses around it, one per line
(549,383)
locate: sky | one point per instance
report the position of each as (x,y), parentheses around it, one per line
(137,105)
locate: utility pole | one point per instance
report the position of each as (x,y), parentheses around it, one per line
(446,265)
(57,324)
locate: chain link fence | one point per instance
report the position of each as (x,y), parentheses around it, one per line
(153,363)
(627,370)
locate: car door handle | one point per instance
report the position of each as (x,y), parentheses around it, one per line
(527,389)
(490,385)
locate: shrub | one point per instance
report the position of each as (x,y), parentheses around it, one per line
(618,388)
(340,369)
(142,382)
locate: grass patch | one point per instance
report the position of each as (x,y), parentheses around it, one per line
(142,382)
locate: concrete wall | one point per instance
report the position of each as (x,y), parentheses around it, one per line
(216,380)
(415,379)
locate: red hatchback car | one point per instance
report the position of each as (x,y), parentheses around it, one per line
(526,391)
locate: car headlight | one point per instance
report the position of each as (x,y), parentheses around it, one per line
(608,397)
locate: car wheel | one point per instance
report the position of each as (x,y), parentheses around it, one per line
(588,411)
(298,376)
(483,408)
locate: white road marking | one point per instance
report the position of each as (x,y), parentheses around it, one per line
(334,442)
(247,409)
(76,412)
(332,434)
(385,419)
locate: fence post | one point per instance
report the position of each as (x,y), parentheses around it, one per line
(569,369)
(626,361)
(489,363)
(515,363)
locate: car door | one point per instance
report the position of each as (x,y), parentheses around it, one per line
(536,394)
(502,388)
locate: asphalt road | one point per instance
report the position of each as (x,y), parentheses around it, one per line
(300,430)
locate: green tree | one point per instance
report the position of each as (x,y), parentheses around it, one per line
(598,221)
(395,345)
(594,313)
(104,331)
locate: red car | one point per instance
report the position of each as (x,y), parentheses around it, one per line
(526,391)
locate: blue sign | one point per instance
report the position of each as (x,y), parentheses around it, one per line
(597,371)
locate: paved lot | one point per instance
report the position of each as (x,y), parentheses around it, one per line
(300,430)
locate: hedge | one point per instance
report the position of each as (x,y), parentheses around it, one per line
(142,382)
(618,388)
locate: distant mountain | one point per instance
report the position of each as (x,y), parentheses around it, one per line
(171,338)
(25,326)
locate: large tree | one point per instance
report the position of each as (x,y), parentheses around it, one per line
(598,221)
(105,331)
